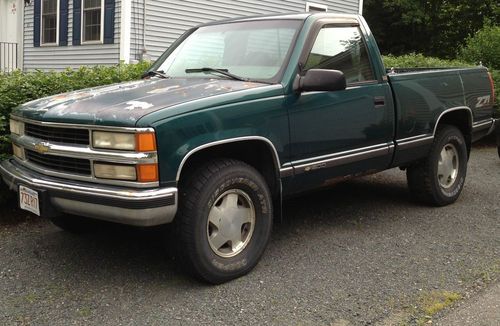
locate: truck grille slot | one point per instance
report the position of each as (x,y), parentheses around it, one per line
(60,163)
(55,134)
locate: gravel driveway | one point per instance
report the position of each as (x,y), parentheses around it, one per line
(359,253)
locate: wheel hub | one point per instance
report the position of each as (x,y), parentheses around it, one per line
(448,165)
(231,222)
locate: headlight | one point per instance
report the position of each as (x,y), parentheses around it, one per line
(113,140)
(17,127)
(116,172)
(140,142)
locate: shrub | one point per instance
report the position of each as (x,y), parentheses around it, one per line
(414,60)
(483,47)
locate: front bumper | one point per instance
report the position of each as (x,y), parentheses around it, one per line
(138,207)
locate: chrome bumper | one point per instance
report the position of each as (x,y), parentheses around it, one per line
(138,207)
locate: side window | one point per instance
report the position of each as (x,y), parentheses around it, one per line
(341,48)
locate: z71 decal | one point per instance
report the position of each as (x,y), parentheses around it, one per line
(483,101)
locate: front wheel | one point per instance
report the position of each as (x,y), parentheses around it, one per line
(439,178)
(224,220)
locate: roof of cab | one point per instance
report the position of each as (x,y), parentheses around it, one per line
(289,16)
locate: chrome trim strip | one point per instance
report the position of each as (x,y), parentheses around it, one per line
(226,141)
(484,124)
(471,116)
(74,176)
(413,138)
(493,126)
(85,152)
(322,157)
(345,159)
(80,126)
(408,143)
(286,172)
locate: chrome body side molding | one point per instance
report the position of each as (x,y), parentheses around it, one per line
(411,142)
(341,158)
(484,124)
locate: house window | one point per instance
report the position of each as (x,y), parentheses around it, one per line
(92,20)
(314,7)
(50,21)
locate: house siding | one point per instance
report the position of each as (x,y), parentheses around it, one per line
(62,57)
(166,20)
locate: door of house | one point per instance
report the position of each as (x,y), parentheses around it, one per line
(9,34)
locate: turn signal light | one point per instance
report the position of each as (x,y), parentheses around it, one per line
(145,142)
(147,172)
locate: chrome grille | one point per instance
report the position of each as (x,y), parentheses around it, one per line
(59,163)
(56,134)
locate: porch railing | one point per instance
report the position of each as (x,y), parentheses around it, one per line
(8,56)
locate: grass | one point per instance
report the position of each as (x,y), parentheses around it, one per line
(433,302)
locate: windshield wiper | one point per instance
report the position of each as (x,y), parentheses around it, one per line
(151,73)
(224,72)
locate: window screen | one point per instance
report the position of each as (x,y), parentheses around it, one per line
(341,48)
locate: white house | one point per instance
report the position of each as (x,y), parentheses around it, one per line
(56,34)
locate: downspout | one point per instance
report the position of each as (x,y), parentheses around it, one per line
(360,7)
(125,31)
(145,55)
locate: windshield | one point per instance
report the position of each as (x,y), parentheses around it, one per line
(251,50)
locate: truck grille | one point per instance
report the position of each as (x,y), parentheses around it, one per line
(55,134)
(59,163)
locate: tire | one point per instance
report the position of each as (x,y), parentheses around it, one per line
(223,199)
(75,224)
(439,179)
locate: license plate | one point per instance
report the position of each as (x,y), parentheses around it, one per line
(28,200)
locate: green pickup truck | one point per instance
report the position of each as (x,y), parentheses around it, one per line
(232,118)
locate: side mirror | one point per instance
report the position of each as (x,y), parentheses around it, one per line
(316,80)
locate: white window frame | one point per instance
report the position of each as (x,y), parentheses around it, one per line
(58,17)
(82,27)
(312,5)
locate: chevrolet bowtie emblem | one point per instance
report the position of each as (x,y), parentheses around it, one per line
(41,148)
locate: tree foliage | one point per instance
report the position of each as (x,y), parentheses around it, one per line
(483,47)
(432,27)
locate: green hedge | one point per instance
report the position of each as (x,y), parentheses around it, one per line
(19,87)
(414,60)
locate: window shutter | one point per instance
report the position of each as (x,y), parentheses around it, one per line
(77,21)
(63,22)
(36,22)
(109,21)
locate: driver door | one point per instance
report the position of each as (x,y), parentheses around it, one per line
(342,132)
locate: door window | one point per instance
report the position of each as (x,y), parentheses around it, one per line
(341,48)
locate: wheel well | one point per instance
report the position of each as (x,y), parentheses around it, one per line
(462,120)
(255,153)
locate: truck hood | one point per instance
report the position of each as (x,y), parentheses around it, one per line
(124,104)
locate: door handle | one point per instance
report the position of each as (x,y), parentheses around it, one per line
(379,101)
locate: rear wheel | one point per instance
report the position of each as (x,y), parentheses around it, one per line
(224,220)
(439,178)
